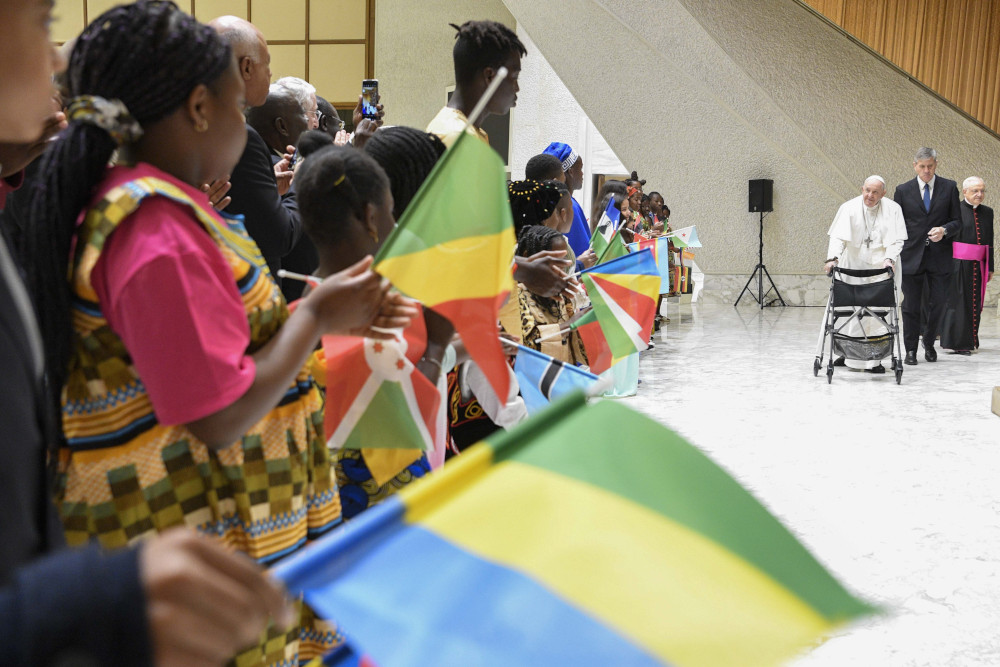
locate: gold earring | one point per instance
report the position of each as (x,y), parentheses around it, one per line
(372,232)
(201,126)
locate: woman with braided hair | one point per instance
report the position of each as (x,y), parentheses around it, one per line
(179,372)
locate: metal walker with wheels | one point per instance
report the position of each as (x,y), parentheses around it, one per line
(850,304)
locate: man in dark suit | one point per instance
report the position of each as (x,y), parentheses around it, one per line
(932,216)
(270,219)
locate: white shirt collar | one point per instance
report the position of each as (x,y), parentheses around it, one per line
(920,182)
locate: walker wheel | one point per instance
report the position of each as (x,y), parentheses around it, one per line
(829,376)
(899,375)
(816,366)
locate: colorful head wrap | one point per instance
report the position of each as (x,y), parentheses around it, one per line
(564,153)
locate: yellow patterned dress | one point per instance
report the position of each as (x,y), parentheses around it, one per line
(125,477)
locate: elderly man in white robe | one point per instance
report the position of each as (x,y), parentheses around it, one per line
(867,233)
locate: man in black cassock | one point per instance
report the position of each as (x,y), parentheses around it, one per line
(973,252)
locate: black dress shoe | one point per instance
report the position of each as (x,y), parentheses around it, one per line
(911,358)
(878,369)
(930,354)
(964,353)
(840,361)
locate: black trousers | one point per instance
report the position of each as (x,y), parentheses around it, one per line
(914,285)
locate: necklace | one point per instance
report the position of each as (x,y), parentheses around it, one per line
(869,229)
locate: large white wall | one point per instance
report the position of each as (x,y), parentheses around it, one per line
(700,97)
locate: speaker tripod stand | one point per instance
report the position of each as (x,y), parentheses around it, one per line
(760,272)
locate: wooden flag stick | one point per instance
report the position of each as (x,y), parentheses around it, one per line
(558,334)
(309,280)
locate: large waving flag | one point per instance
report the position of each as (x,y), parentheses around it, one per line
(660,247)
(378,401)
(686,237)
(454,247)
(623,293)
(543,379)
(588,535)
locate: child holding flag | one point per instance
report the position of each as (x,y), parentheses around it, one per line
(382,397)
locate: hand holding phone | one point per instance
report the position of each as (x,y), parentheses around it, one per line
(369,98)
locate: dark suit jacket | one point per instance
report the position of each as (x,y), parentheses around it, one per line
(967,234)
(68,606)
(302,258)
(273,221)
(917,255)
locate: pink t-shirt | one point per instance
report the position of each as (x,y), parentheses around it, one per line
(169,294)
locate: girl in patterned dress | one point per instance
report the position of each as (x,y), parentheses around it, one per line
(179,372)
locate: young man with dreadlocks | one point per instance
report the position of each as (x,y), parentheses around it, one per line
(481,49)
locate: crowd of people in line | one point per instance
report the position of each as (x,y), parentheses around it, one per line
(164,387)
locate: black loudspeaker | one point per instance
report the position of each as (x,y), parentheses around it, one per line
(761,191)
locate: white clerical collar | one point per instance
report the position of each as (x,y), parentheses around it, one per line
(971,204)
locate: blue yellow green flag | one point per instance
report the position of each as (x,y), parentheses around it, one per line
(587,535)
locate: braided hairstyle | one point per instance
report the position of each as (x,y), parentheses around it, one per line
(482,44)
(150,55)
(531,202)
(535,238)
(558,186)
(333,187)
(407,155)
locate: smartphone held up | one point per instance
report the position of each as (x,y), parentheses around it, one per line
(369,98)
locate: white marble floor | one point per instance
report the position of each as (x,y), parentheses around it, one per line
(894,488)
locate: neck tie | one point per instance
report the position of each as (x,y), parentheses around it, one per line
(927,197)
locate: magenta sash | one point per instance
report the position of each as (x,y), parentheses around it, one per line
(975,253)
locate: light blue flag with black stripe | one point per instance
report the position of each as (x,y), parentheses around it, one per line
(543,379)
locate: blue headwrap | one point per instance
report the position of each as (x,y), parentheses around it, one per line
(563,152)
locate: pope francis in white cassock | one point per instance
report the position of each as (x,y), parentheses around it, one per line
(867,233)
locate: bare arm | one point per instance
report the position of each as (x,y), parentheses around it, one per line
(348,303)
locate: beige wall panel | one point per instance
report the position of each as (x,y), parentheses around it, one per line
(287,60)
(280,19)
(69,20)
(337,70)
(97,7)
(206,10)
(338,19)
(413,45)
